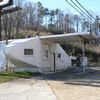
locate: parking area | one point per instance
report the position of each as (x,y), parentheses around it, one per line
(26,89)
(67,85)
(76,86)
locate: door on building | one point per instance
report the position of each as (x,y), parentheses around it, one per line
(54,62)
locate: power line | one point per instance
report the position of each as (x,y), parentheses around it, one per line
(81,10)
(76,9)
(83,13)
(85,9)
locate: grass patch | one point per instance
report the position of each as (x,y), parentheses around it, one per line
(5,77)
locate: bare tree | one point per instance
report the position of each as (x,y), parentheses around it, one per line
(76,22)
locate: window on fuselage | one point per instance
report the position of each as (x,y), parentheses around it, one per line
(46,53)
(58,55)
(28,51)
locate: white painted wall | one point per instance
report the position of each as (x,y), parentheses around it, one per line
(65,61)
(60,63)
(16,50)
(46,46)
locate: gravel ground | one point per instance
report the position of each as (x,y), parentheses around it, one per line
(68,86)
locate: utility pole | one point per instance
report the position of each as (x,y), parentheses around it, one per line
(4,4)
(2,12)
(0,25)
(97,25)
(0,22)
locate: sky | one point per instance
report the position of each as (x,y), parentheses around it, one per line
(91,5)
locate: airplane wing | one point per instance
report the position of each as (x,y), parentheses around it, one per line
(70,37)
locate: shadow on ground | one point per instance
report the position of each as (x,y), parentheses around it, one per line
(76,77)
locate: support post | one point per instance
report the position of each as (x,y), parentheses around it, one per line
(83,50)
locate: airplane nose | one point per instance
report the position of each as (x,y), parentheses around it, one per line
(8,50)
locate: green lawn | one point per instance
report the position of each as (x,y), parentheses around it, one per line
(5,77)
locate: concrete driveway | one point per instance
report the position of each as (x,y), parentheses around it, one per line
(75,85)
(68,85)
(26,89)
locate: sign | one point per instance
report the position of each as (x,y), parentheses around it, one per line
(5,3)
(10,10)
(1,0)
